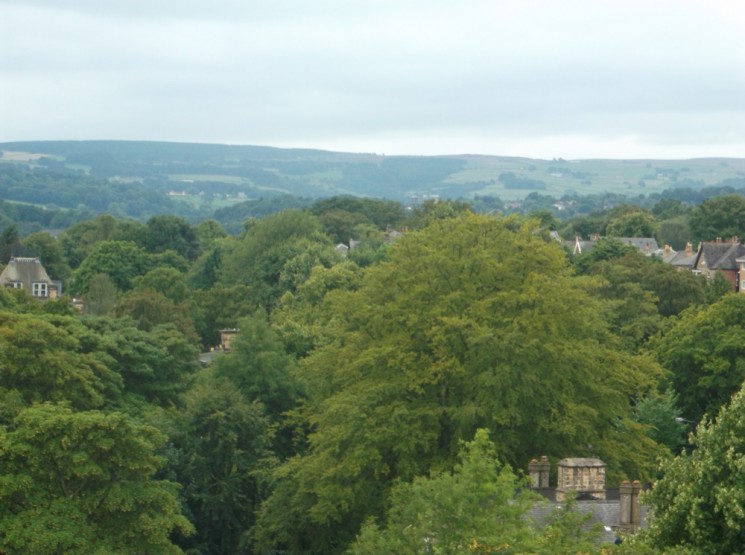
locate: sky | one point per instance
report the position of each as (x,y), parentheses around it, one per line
(575,79)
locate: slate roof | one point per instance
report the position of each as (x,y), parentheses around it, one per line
(683,259)
(603,512)
(720,256)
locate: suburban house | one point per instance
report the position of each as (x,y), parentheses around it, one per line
(726,258)
(29,274)
(617,510)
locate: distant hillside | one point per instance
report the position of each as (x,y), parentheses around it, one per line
(259,171)
(139,179)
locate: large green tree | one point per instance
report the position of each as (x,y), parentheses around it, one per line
(46,358)
(472,322)
(221,442)
(719,217)
(640,223)
(83,482)
(705,354)
(699,503)
(276,254)
(122,261)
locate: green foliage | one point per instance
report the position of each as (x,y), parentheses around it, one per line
(208,231)
(122,261)
(606,248)
(221,443)
(633,224)
(340,215)
(172,233)
(662,415)
(150,309)
(705,354)
(167,281)
(300,319)
(722,216)
(481,507)
(82,482)
(154,366)
(277,254)
(78,240)
(101,296)
(49,250)
(44,358)
(717,288)
(472,322)
(219,308)
(433,210)
(669,208)
(699,504)
(259,368)
(675,232)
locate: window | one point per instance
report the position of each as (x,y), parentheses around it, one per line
(17,285)
(40,289)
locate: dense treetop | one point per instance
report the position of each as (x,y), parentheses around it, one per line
(346,416)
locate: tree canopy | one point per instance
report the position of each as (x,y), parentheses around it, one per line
(83,482)
(699,503)
(472,322)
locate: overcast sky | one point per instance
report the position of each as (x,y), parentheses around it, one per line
(538,78)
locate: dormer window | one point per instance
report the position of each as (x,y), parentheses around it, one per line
(16,284)
(40,289)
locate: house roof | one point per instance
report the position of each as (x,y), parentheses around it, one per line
(24,270)
(682,259)
(719,256)
(606,512)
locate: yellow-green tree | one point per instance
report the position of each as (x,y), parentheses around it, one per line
(699,504)
(473,322)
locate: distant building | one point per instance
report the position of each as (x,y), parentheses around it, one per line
(29,274)
(617,510)
(726,258)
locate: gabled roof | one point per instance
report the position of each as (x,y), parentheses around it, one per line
(719,256)
(26,271)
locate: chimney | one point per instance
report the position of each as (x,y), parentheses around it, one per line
(668,250)
(689,249)
(630,516)
(539,472)
(719,240)
(735,239)
(580,476)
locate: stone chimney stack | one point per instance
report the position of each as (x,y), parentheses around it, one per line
(689,249)
(580,476)
(539,472)
(630,516)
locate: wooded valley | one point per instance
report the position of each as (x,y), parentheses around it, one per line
(395,368)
